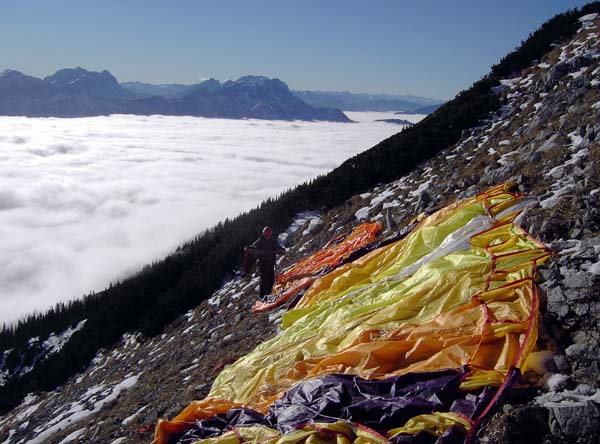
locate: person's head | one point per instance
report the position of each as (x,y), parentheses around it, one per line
(267,233)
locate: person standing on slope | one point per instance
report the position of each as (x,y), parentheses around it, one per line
(265,248)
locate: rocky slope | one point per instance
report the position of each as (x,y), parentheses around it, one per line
(545,137)
(78,93)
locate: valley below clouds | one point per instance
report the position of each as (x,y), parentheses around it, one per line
(85,202)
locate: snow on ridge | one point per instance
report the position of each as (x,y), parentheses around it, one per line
(362,213)
(73,436)
(421,188)
(44,349)
(11,432)
(76,411)
(55,342)
(21,416)
(133,416)
(312,217)
(588,17)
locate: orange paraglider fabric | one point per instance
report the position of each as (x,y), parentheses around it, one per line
(331,255)
(300,276)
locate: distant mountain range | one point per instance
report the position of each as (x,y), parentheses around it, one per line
(348,101)
(77,92)
(167,90)
(345,101)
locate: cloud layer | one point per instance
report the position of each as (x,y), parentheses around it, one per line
(84,202)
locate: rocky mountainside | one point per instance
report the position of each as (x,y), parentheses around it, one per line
(545,137)
(78,93)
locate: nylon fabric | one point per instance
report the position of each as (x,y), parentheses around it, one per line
(330,256)
(471,304)
(301,276)
(318,433)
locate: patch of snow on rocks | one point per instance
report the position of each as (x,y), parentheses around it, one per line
(72,436)
(312,225)
(132,417)
(421,188)
(11,432)
(381,197)
(27,412)
(78,411)
(588,18)
(593,268)
(299,221)
(362,213)
(556,381)
(580,396)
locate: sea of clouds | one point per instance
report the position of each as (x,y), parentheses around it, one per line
(85,202)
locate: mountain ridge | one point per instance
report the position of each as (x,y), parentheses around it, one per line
(344,100)
(348,101)
(76,92)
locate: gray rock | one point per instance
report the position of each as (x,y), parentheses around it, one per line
(577,279)
(577,350)
(584,390)
(576,421)
(556,302)
(561,363)
(554,74)
(550,143)
(423,201)
(576,233)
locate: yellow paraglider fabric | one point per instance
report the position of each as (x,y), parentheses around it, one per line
(412,306)
(318,433)
(435,424)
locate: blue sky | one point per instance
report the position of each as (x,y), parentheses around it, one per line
(425,47)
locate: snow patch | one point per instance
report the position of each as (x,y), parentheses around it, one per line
(299,221)
(588,17)
(593,268)
(28,412)
(362,213)
(312,226)
(72,436)
(421,188)
(130,418)
(582,395)
(78,411)
(11,432)
(556,381)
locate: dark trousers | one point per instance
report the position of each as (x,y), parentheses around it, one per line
(267,279)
